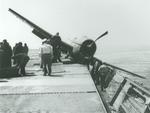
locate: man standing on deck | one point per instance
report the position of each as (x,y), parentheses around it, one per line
(1,55)
(25,48)
(47,56)
(17,50)
(56,43)
(7,54)
(21,61)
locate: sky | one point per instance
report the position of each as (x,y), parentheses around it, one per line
(127,21)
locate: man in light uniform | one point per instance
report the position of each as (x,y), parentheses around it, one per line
(47,56)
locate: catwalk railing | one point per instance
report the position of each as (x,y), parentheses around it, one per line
(122,94)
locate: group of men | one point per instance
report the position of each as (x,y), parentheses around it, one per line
(50,53)
(20,57)
(19,54)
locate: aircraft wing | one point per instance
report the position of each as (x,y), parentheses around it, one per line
(36,29)
(41,33)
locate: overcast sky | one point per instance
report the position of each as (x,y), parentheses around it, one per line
(128,21)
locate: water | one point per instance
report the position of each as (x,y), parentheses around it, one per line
(137,61)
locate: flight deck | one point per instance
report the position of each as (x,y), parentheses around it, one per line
(70,89)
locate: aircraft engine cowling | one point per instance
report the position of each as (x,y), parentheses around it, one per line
(84,51)
(88,48)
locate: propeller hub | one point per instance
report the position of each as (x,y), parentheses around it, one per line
(88,48)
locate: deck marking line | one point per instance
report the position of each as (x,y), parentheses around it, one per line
(41,93)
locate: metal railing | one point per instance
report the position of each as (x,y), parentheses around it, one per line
(121,85)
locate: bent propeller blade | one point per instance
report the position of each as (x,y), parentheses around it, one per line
(101,36)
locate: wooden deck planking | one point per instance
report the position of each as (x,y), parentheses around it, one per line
(70,89)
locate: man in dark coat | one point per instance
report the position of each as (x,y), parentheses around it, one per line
(26,49)
(21,61)
(7,54)
(106,74)
(18,48)
(1,55)
(56,43)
